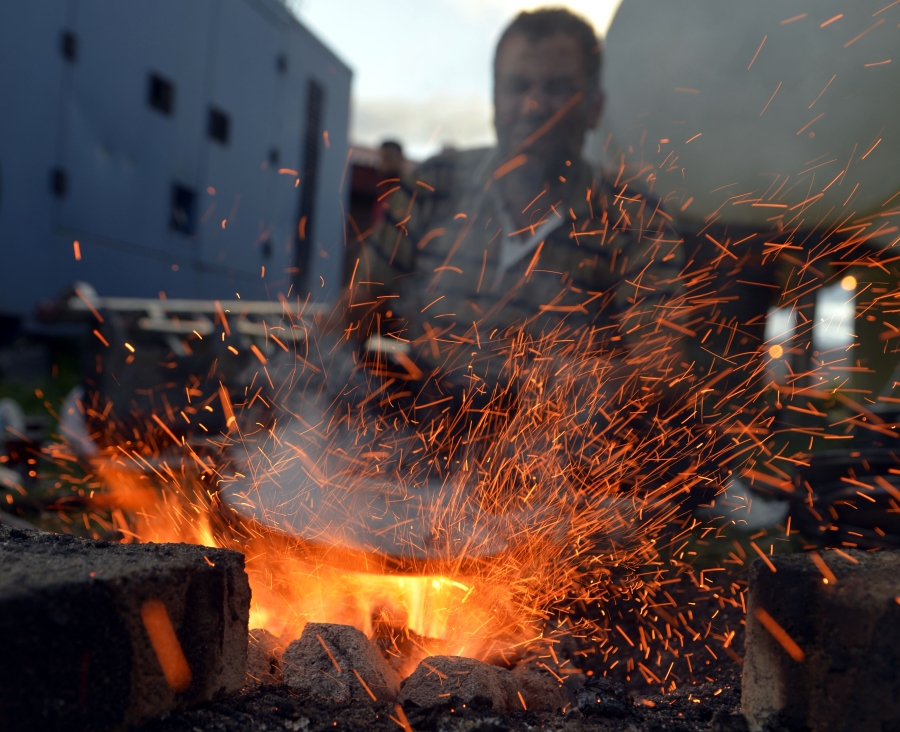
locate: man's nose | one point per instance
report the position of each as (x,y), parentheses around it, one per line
(536,102)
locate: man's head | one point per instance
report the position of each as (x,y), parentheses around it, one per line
(546,85)
(390,159)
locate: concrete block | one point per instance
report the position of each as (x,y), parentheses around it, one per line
(103,636)
(338,662)
(437,678)
(823,643)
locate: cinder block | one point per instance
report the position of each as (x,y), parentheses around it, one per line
(823,656)
(102,636)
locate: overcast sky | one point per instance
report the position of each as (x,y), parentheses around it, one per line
(422,68)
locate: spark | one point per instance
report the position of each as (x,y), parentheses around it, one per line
(770,99)
(810,123)
(867,30)
(165,644)
(761,44)
(823,90)
(877,12)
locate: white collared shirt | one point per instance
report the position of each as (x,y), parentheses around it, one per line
(513,248)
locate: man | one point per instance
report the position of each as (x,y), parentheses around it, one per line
(392,177)
(522,242)
(530,205)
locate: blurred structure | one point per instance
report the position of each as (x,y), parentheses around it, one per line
(184,146)
(737,98)
(766,127)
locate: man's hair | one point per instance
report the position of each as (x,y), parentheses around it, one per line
(392,145)
(542,23)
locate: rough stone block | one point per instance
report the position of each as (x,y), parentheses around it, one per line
(338,662)
(99,636)
(264,654)
(823,656)
(437,678)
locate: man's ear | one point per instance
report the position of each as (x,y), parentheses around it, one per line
(595,111)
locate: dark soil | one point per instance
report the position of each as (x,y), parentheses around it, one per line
(708,706)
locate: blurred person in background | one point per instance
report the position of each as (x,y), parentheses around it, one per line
(519,241)
(394,188)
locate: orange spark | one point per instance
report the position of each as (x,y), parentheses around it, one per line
(870,28)
(771,98)
(166,645)
(827,575)
(763,555)
(755,54)
(780,634)
(509,166)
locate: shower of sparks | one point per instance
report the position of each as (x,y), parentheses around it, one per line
(539,519)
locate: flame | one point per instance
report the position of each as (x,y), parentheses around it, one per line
(448,614)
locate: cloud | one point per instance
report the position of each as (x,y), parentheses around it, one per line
(425,125)
(599,12)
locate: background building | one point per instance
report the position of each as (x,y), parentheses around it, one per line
(184,146)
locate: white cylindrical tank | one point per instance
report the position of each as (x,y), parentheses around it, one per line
(769,113)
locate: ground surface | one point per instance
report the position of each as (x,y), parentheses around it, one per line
(712,707)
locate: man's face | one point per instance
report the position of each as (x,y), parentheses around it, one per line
(390,162)
(534,81)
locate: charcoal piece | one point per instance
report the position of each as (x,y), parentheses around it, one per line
(264,653)
(402,648)
(438,678)
(823,642)
(338,663)
(541,690)
(103,636)
(601,697)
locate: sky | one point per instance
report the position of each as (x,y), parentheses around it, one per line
(422,68)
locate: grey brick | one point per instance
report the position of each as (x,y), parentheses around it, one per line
(846,674)
(76,653)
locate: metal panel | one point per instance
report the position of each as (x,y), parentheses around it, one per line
(248,86)
(327,245)
(32,70)
(122,155)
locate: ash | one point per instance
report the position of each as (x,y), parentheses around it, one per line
(709,706)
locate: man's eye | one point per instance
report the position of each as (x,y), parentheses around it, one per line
(516,86)
(561,87)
